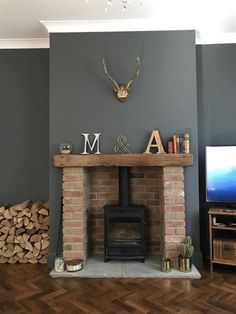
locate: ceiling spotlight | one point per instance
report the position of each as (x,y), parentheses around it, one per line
(124,3)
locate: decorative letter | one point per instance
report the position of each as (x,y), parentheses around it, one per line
(155,141)
(86,142)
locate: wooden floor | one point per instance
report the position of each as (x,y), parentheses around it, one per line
(26,288)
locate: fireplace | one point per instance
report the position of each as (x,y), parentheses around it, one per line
(124,233)
(83,189)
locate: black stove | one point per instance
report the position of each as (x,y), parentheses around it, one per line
(124,225)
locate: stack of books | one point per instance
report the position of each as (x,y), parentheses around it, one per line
(179,144)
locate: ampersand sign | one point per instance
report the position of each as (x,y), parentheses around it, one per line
(122,145)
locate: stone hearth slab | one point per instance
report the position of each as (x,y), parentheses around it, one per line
(96,268)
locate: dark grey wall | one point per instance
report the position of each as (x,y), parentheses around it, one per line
(216,85)
(24,103)
(163,98)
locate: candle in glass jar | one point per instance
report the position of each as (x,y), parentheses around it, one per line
(59,264)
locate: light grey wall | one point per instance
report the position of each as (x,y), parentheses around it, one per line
(163,97)
(216,85)
(24,104)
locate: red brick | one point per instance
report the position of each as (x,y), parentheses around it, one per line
(137,188)
(73,208)
(173,192)
(67,170)
(179,200)
(169,215)
(72,231)
(173,177)
(77,215)
(180,216)
(68,186)
(175,170)
(93,196)
(180,230)
(151,175)
(153,202)
(100,222)
(151,188)
(101,203)
(107,195)
(174,238)
(104,188)
(77,186)
(72,239)
(173,256)
(175,223)
(174,208)
(169,231)
(73,178)
(178,185)
(168,185)
(106,181)
(78,170)
(73,200)
(73,255)
(67,216)
(72,193)
(67,247)
(144,196)
(77,247)
(172,246)
(143,181)
(169,201)
(72,223)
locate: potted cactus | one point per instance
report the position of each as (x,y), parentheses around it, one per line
(186,252)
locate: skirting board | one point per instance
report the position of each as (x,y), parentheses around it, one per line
(96,268)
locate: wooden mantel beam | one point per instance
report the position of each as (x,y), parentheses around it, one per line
(123,160)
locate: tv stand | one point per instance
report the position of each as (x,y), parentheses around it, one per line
(222,236)
(229,210)
(231,206)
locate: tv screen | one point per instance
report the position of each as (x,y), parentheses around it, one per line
(221,174)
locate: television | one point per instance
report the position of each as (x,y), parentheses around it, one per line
(221,174)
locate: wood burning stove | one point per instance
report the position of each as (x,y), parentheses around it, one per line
(124,225)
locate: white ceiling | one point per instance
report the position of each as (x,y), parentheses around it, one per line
(20,19)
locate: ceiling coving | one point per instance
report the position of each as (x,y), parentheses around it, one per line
(20,20)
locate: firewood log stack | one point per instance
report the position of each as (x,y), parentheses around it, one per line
(24,233)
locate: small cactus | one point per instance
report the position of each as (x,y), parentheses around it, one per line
(186,248)
(183,249)
(188,240)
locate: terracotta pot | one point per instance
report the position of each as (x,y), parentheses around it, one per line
(184,264)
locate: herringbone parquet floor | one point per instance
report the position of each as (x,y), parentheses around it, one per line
(26,288)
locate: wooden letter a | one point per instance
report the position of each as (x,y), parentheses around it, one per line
(154,142)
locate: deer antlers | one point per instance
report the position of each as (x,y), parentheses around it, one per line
(122,90)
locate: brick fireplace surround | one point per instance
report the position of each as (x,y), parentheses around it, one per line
(91,181)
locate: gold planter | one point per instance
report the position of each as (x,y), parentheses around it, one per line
(166,265)
(184,264)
